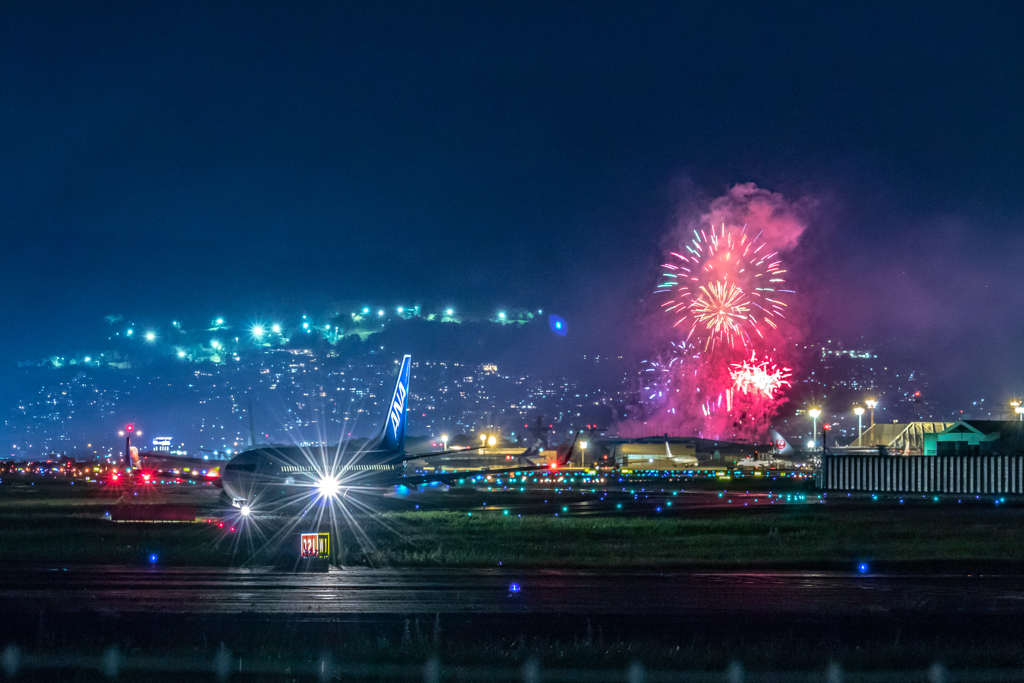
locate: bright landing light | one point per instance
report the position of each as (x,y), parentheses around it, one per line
(328,487)
(245,510)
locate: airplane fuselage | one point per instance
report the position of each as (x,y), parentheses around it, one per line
(275,474)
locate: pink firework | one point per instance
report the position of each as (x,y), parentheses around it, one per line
(759,377)
(724,287)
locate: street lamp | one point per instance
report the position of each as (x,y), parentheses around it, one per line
(1018,408)
(814,413)
(859,412)
(444,440)
(583,454)
(871,403)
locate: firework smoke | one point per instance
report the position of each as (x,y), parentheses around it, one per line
(723,296)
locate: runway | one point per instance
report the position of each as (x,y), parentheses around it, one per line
(357,591)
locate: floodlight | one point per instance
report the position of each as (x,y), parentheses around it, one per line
(328,487)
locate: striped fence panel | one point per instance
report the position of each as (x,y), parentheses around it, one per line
(923,474)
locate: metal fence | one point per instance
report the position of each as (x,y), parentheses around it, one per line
(113,665)
(923,473)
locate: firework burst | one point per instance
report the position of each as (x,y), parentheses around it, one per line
(725,286)
(759,377)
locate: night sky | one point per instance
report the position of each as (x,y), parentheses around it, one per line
(173,159)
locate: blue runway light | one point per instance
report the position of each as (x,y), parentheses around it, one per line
(152,558)
(863,568)
(514,588)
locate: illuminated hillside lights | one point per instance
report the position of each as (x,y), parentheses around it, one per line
(366,310)
(380,312)
(150,336)
(328,487)
(181,354)
(501,316)
(276,329)
(130,332)
(449,311)
(215,344)
(257,331)
(401,309)
(219,321)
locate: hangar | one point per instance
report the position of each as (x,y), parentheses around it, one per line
(908,438)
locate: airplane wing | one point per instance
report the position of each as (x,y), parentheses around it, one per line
(449,477)
(421,456)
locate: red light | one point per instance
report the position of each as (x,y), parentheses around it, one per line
(221,525)
(232,528)
(146,477)
(129,428)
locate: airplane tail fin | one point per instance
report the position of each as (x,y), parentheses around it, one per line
(392,437)
(131,455)
(782,447)
(528,454)
(562,459)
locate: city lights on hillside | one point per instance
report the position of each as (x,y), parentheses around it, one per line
(449,311)
(501,316)
(257,331)
(151,336)
(215,344)
(276,329)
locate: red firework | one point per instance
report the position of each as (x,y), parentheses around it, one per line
(760,377)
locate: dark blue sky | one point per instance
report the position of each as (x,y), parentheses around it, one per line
(156,159)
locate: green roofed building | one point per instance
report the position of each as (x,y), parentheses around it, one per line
(977,437)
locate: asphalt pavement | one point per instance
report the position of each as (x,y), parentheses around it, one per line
(383,591)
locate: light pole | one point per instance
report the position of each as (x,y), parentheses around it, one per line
(583,455)
(815,414)
(871,403)
(859,412)
(1019,409)
(444,441)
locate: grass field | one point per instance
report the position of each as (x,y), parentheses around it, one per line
(66,525)
(783,537)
